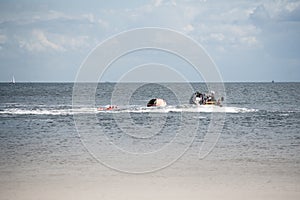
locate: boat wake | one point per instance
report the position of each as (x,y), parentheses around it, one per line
(183,108)
(123,109)
(45,111)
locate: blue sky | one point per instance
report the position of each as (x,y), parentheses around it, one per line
(43,40)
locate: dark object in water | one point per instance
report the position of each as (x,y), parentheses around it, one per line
(156,102)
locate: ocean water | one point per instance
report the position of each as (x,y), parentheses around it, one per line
(44,137)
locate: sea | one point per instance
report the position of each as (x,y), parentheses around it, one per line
(252,141)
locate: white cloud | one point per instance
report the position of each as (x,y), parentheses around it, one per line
(103,23)
(3,39)
(260,15)
(223,25)
(217,36)
(274,11)
(157,3)
(278,23)
(90,17)
(41,37)
(52,31)
(188,28)
(217,26)
(249,41)
(230,36)
(73,43)
(173,3)
(236,26)
(38,42)
(25,18)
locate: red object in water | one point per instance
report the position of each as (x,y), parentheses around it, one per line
(110,107)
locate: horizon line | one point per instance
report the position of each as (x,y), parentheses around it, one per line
(152,82)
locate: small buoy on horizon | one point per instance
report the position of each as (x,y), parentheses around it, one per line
(273,81)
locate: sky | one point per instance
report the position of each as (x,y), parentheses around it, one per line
(250,40)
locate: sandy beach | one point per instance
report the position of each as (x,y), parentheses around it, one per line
(207,179)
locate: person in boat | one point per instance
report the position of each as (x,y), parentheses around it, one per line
(197,98)
(156,102)
(210,98)
(205,99)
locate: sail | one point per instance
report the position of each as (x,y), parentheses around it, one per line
(13,80)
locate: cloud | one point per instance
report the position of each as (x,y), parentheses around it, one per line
(52,31)
(260,15)
(103,23)
(157,3)
(291,12)
(38,42)
(3,39)
(247,28)
(188,28)
(222,25)
(229,36)
(217,36)
(249,41)
(279,25)
(74,43)
(269,12)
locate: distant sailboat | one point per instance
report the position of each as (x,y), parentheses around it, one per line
(13,81)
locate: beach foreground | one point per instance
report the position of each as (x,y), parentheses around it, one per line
(216,180)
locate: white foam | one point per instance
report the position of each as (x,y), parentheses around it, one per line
(183,108)
(18,111)
(284,115)
(126,109)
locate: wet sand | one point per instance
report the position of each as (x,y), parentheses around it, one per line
(209,180)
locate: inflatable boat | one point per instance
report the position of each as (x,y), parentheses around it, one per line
(156,102)
(199,98)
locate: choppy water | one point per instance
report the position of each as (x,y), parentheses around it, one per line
(38,133)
